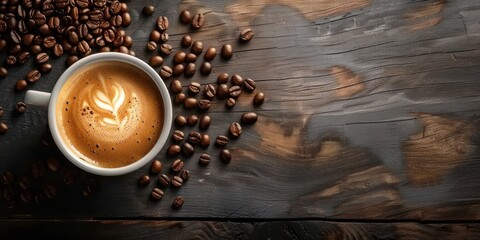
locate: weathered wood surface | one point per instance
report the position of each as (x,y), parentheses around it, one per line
(371,113)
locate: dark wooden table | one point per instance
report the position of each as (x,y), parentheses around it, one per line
(369,130)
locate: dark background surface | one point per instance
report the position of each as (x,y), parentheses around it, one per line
(370,118)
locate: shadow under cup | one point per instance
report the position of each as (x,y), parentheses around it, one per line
(110,113)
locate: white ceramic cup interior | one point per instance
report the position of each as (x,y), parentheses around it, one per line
(50,100)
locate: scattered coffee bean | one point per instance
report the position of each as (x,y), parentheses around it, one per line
(225,156)
(21,107)
(177,165)
(178,136)
(198,21)
(166,48)
(179,57)
(70,176)
(190,103)
(144,180)
(185,17)
(45,68)
(178,202)
(26,196)
(204,104)
(222,78)
(205,122)
(230,102)
(210,54)
(7,178)
(205,141)
(222,91)
(194,137)
(38,169)
(1,111)
(180,98)
(72,59)
(53,164)
(209,91)
(227,51)
(177,181)
(162,23)
(173,150)
(24,56)
(197,48)
(246,35)
(25,183)
(155,61)
(180,121)
(190,70)
(176,86)
(194,88)
(11,60)
(148,10)
(166,72)
(249,118)
(152,46)
(164,180)
(156,194)
(205,158)
(258,99)
(235,91)
(58,50)
(190,57)
(187,149)
(236,80)
(89,187)
(128,41)
(185,174)
(178,69)
(235,129)
(156,166)
(21,85)
(192,120)
(249,84)
(186,41)
(50,191)
(206,68)
(221,140)
(155,36)
(33,75)
(3,72)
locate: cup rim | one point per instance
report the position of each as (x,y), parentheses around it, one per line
(167,105)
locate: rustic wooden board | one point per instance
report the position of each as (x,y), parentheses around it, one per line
(371,113)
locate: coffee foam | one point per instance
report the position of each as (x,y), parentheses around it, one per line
(110,113)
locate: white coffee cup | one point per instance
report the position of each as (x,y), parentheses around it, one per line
(50,100)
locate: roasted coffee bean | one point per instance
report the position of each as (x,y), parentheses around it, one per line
(11,60)
(236,80)
(185,17)
(249,84)
(185,174)
(186,41)
(22,27)
(128,41)
(36,49)
(105,49)
(190,69)
(187,149)
(180,98)
(192,120)
(58,50)
(3,72)
(21,85)
(70,176)
(205,158)
(177,181)
(72,59)
(23,57)
(190,58)
(178,69)
(26,196)
(180,121)
(82,30)
(98,3)
(127,19)
(198,20)
(15,37)
(33,75)
(50,191)
(166,49)
(116,21)
(42,57)
(123,49)
(152,46)
(124,8)
(176,86)
(21,107)
(197,48)
(144,180)
(173,150)
(49,42)
(177,165)
(155,36)
(210,54)
(179,57)
(222,91)
(258,99)
(227,51)
(25,183)
(164,37)
(194,137)
(162,23)
(118,41)
(222,78)
(156,194)
(249,118)
(83,47)
(108,35)
(148,10)
(7,178)
(164,180)
(166,72)
(209,91)
(204,104)
(1,111)
(3,127)
(235,129)
(230,102)
(194,88)
(205,122)
(15,49)
(205,141)
(27,39)
(221,140)
(178,136)
(178,202)
(206,68)
(190,103)
(73,37)
(246,35)
(156,166)
(115,6)
(38,169)
(235,91)
(155,61)
(53,164)
(225,156)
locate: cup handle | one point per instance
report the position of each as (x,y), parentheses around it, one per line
(37,98)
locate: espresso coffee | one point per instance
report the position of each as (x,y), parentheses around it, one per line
(110,114)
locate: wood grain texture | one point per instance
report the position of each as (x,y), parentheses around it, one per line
(371,113)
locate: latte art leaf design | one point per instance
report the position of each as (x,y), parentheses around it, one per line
(110,99)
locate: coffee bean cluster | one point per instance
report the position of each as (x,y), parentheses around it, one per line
(44,30)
